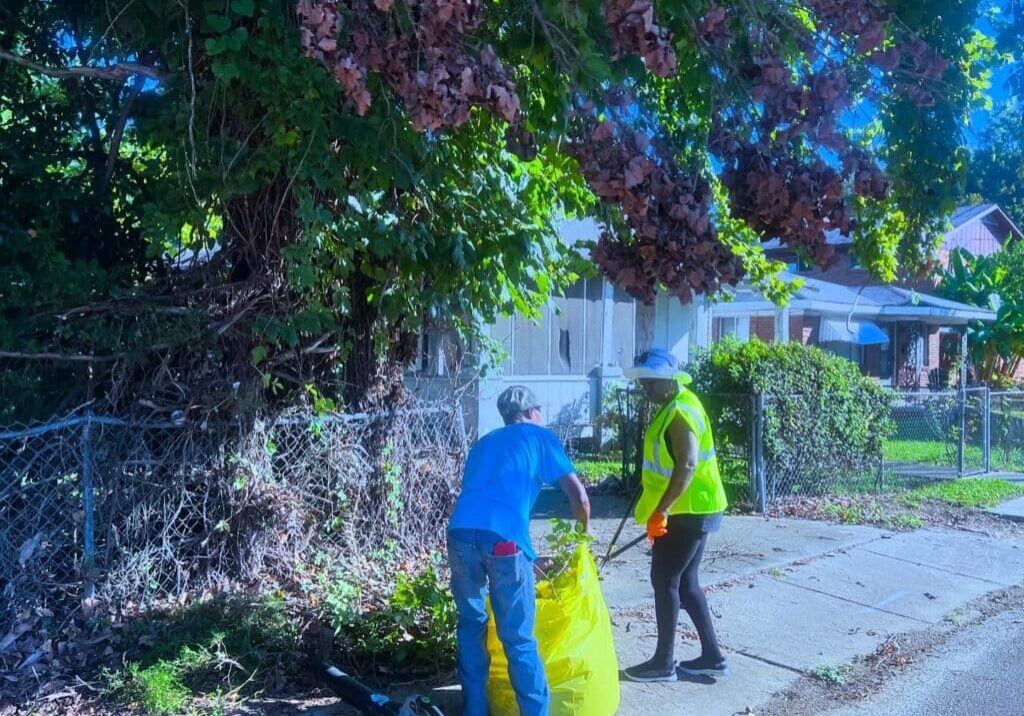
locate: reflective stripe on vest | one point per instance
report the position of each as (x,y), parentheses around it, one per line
(705,494)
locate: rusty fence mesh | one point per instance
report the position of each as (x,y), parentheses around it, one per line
(130,512)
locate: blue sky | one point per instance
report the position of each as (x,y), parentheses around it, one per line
(979,118)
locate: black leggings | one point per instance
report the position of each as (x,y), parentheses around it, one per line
(674,566)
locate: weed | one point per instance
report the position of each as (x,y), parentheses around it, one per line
(392,473)
(338,592)
(831,674)
(957,617)
(157,688)
(226,645)
(904,521)
(847,514)
(563,540)
(416,625)
(775,572)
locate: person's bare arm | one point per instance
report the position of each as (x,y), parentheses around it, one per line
(579,503)
(684,450)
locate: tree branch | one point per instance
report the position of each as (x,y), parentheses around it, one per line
(9,355)
(118,134)
(120,71)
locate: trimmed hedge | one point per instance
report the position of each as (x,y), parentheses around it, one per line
(824,421)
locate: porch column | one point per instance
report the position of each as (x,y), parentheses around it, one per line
(608,308)
(782,324)
(700,325)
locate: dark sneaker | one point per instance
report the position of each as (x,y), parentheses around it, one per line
(649,671)
(704,667)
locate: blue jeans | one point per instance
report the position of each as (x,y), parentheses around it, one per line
(514,603)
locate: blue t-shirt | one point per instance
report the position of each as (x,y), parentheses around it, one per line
(504,473)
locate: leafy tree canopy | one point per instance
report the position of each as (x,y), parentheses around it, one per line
(207,200)
(997,163)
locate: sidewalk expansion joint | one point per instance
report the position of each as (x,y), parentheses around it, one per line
(766,660)
(939,569)
(854,601)
(730,580)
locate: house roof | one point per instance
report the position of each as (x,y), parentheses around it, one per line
(961,216)
(879,302)
(970,212)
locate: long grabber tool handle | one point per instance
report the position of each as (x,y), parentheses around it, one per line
(609,555)
(623,549)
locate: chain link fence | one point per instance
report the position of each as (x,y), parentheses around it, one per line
(130,512)
(774,447)
(1006,431)
(807,449)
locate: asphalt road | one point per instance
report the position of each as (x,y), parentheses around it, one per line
(978,672)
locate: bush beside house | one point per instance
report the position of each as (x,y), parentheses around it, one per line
(815,403)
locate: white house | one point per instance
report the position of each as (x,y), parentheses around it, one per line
(576,352)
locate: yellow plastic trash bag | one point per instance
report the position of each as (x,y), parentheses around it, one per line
(574,634)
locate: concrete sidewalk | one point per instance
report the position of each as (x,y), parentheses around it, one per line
(1010,510)
(792,595)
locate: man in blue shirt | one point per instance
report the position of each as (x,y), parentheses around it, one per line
(489,547)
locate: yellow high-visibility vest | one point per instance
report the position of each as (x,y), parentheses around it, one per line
(705,494)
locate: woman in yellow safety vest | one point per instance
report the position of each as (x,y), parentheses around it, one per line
(682,501)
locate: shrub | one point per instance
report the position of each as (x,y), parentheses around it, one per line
(823,419)
(410,629)
(621,404)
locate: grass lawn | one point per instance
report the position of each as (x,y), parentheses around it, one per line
(935,452)
(965,493)
(924,452)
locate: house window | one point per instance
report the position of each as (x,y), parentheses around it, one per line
(799,265)
(563,348)
(734,327)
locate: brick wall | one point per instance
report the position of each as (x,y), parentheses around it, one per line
(796,327)
(763,327)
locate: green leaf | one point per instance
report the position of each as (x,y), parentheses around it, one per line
(218,23)
(245,8)
(215,46)
(238,37)
(225,71)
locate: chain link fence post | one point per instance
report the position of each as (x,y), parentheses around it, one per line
(986,430)
(758,453)
(962,444)
(88,512)
(881,469)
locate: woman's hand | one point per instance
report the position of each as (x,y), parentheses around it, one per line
(657,526)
